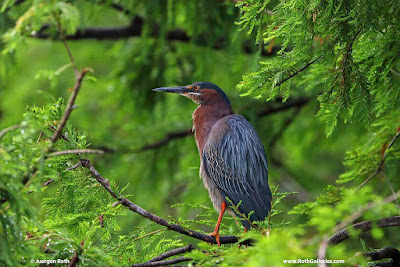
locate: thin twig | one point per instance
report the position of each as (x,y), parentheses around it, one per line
(63,136)
(168,138)
(148,234)
(69,106)
(40,137)
(382,162)
(76,151)
(298,102)
(116,204)
(48,182)
(150,216)
(79,75)
(347,56)
(395,72)
(322,251)
(8,129)
(16,3)
(75,166)
(391,189)
(297,72)
(64,40)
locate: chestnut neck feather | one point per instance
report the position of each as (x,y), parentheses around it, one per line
(205,117)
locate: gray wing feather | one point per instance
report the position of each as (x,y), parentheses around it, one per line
(237,164)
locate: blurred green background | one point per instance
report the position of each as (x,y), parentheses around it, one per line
(122,116)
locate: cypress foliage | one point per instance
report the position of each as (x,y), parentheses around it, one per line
(318,79)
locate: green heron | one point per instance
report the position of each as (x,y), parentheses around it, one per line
(233,161)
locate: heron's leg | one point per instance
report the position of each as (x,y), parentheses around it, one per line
(216,230)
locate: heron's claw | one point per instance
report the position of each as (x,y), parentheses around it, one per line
(217,237)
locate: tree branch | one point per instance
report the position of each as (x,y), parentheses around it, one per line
(135,29)
(363,227)
(152,217)
(349,48)
(299,102)
(75,258)
(16,3)
(384,253)
(325,241)
(162,263)
(382,162)
(8,129)
(64,40)
(297,72)
(77,151)
(70,104)
(173,252)
(168,138)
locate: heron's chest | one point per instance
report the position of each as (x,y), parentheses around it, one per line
(205,119)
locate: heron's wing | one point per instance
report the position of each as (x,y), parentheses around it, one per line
(234,158)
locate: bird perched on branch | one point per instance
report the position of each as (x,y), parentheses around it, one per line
(233,161)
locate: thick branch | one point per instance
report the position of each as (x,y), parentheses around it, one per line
(325,241)
(70,104)
(162,263)
(135,29)
(152,217)
(173,252)
(132,30)
(384,253)
(364,227)
(74,260)
(382,162)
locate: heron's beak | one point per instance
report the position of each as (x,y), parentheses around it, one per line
(176,89)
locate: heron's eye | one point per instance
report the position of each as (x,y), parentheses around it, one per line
(197,88)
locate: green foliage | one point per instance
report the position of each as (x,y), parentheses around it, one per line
(341,57)
(253,13)
(353,42)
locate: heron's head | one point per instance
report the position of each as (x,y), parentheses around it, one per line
(202,93)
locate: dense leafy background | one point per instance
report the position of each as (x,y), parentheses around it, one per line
(340,59)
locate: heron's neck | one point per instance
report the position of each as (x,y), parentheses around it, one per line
(204,118)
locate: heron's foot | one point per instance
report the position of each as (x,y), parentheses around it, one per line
(217,237)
